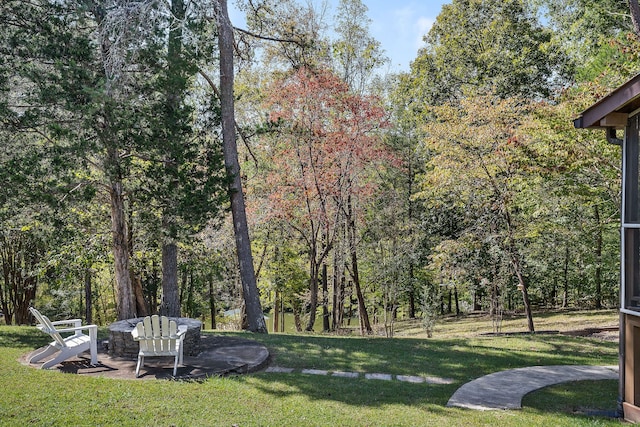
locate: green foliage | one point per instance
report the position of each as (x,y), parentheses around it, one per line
(356,54)
(477,46)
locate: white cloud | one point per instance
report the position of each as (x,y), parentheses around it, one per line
(403,18)
(422,27)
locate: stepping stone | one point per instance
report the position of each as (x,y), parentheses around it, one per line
(314,372)
(346,374)
(279,369)
(385,377)
(410,379)
(438,380)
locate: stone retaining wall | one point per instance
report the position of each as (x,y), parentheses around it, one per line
(121,343)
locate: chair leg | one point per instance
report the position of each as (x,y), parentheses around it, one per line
(140,363)
(175,365)
(61,357)
(48,351)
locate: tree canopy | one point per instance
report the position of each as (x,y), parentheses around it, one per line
(157,157)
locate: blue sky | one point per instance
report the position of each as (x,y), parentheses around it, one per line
(400,25)
(397,24)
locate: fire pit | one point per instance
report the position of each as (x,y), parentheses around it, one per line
(121,343)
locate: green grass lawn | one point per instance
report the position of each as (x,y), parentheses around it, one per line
(47,398)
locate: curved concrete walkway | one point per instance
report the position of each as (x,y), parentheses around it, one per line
(505,389)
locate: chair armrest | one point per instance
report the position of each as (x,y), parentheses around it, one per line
(78,328)
(74,322)
(182,329)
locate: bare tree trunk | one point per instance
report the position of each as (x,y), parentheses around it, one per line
(136,284)
(525,292)
(88,309)
(282,313)
(170,299)
(565,293)
(125,297)
(325,299)
(313,292)
(296,319)
(365,325)
(634,7)
(255,317)
(173,98)
(212,304)
(276,312)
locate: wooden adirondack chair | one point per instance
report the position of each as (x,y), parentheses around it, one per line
(159,336)
(67,347)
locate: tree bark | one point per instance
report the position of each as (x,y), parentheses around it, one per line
(313,292)
(634,7)
(173,98)
(170,298)
(125,297)
(565,279)
(276,312)
(88,309)
(525,292)
(255,317)
(365,325)
(325,299)
(212,304)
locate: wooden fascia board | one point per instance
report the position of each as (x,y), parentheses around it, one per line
(591,117)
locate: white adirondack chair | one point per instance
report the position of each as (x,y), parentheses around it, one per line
(67,347)
(159,336)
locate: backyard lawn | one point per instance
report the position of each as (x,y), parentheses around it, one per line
(48,398)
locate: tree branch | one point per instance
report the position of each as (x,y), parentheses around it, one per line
(243,136)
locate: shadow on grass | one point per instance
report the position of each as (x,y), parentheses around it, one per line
(460,360)
(581,398)
(22,337)
(358,392)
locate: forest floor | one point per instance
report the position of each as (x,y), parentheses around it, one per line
(602,324)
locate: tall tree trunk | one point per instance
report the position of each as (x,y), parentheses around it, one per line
(325,299)
(340,309)
(313,292)
(88,309)
(525,292)
(282,313)
(173,98)
(255,317)
(336,287)
(634,7)
(515,262)
(338,280)
(410,213)
(565,279)
(412,292)
(141,305)
(212,304)
(365,325)
(170,297)
(125,297)
(276,312)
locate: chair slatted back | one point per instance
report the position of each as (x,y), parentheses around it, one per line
(47,327)
(157,334)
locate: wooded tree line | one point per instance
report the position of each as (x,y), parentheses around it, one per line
(457,185)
